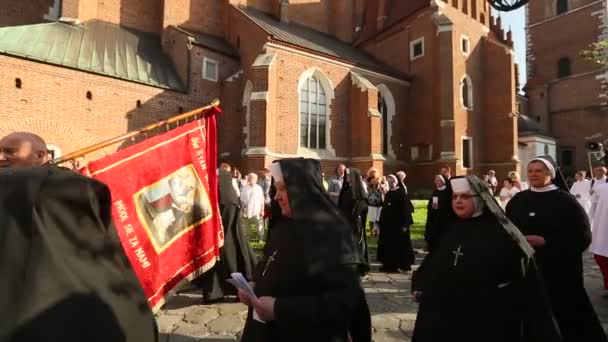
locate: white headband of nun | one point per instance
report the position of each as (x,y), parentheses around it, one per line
(391,177)
(460,185)
(547,164)
(277,172)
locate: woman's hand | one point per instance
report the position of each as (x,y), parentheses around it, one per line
(264,306)
(535,240)
(244,297)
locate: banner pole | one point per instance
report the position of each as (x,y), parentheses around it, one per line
(112,141)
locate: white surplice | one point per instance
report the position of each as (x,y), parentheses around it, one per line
(599,217)
(252,200)
(581,190)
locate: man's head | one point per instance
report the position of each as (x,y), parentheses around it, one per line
(599,172)
(23,149)
(401,175)
(252,178)
(264,174)
(580,175)
(226,166)
(446,172)
(491,173)
(340,169)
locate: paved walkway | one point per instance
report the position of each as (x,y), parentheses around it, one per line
(393,313)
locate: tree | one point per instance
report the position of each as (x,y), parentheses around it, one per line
(597,53)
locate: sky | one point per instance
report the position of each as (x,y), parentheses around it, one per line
(517,21)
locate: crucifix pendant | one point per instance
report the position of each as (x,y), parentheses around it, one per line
(270,260)
(457,253)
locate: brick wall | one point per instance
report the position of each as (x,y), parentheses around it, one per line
(565,36)
(206,16)
(23,12)
(542,10)
(52,102)
(570,107)
(139,15)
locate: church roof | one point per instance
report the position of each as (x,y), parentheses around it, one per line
(526,124)
(315,41)
(211,42)
(95,46)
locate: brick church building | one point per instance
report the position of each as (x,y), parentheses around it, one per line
(401,85)
(567,95)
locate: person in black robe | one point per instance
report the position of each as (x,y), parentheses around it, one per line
(65,276)
(480,282)
(353,205)
(395,250)
(236,254)
(308,287)
(439,210)
(556,225)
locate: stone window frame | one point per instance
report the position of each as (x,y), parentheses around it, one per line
(561,7)
(385,93)
(466,79)
(564,67)
(206,61)
(413,44)
(464,39)
(247,91)
(328,88)
(471,152)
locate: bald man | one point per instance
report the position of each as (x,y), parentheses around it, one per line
(23,149)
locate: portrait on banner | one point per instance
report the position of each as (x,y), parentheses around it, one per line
(173,206)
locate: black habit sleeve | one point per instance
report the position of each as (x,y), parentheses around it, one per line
(334,307)
(578,237)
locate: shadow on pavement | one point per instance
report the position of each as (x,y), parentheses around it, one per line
(181,338)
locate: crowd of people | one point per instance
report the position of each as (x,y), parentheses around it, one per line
(491,274)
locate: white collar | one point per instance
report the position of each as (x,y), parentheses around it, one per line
(442,188)
(600,180)
(547,188)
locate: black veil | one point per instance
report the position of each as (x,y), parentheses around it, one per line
(317,222)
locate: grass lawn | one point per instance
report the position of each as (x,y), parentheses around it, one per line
(417,230)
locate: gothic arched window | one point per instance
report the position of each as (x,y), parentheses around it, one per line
(313,114)
(466,92)
(382,107)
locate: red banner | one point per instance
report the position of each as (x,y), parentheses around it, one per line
(164,195)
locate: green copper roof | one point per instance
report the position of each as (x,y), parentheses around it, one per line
(95,46)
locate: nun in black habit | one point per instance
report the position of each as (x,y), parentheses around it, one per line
(236,254)
(64,274)
(395,250)
(556,225)
(439,210)
(308,285)
(480,282)
(353,205)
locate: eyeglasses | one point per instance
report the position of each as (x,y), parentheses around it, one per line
(463,196)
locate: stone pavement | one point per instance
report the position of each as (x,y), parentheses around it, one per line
(183,319)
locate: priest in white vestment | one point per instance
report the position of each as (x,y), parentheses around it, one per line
(581,189)
(252,202)
(599,230)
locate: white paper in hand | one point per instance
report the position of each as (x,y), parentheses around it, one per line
(239,281)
